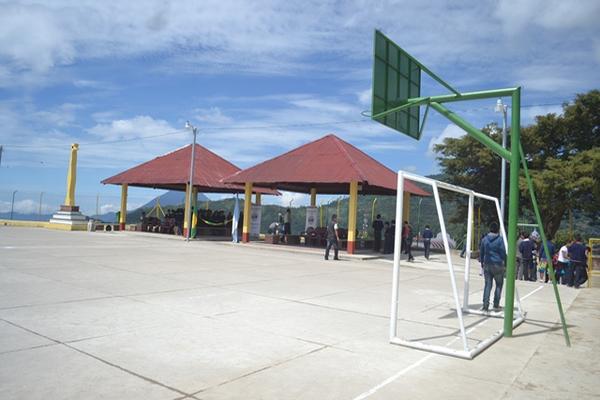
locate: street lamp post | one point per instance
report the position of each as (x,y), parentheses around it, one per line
(503,109)
(191,188)
(12,204)
(40,207)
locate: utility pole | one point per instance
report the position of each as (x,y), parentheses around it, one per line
(40,208)
(0,155)
(12,204)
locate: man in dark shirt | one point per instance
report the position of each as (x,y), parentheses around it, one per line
(377,229)
(332,238)
(427,236)
(577,256)
(526,248)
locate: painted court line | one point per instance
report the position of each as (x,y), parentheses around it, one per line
(398,374)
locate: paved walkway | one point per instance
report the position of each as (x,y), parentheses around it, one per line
(120,316)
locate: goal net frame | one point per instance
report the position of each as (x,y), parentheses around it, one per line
(467,352)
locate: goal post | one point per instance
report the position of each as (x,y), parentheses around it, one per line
(467,352)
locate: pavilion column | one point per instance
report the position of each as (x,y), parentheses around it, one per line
(195,208)
(313,197)
(123,213)
(257,199)
(186,212)
(405,207)
(352,210)
(247,208)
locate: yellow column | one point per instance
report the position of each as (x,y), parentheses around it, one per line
(72,177)
(123,214)
(258,199)
(405,208)
(195,198)
(313,197)
(247,208)
(352,210)
(186,210)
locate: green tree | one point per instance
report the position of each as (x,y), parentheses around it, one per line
(563,154)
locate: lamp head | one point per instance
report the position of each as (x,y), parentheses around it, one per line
(499,106)
(188,125)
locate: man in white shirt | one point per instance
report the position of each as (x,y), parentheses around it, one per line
(563,263)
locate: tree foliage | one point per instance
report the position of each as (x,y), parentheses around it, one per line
(563,155)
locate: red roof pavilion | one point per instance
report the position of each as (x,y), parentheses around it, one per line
(172,171)
(328,164)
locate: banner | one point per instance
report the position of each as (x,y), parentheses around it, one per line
(255,216)
(312,217)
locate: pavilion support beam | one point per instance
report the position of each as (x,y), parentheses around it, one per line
(247,208)
(195,209)
(313,197)
(352,210)
(405,207)
(186,212)
(123,213)
(258,199)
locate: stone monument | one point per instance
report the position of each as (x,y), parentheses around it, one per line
(69,217)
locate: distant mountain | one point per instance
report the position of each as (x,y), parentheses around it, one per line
(171,198)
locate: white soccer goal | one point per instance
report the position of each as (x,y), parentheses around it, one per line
(467,352)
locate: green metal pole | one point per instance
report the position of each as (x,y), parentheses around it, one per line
(545,243)
(479,95)
(476,133)
(513,212)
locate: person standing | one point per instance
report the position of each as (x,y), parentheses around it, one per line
(403,238)
(577,253)
(492,255)
(526,248)
(333,238)
(388,239)
(520,257)
(408,238)
(427,236)
(377,229)
(544,260)
(563,263)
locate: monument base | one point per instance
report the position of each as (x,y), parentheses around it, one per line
(69,218)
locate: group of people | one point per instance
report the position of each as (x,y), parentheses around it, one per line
(388,229)
(569,263)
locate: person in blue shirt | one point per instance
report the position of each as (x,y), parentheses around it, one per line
(492,255)
(577,256)
(543,264)
(427,236)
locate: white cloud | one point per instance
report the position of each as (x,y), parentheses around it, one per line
(212,116)
(364,97)
(451,131)
(106,208)
(26,206)
(136,127)
(294,199)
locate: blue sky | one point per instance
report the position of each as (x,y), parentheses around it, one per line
(257,78)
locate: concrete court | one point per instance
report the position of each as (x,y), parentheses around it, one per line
(125,316)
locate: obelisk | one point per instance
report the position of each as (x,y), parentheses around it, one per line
(69,217)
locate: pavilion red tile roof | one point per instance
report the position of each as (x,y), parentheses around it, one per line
(172,171)
(328,164)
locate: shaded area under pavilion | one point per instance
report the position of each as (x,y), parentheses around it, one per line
(327,166)
(171,171)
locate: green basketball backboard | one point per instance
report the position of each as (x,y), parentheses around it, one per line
(396,78)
